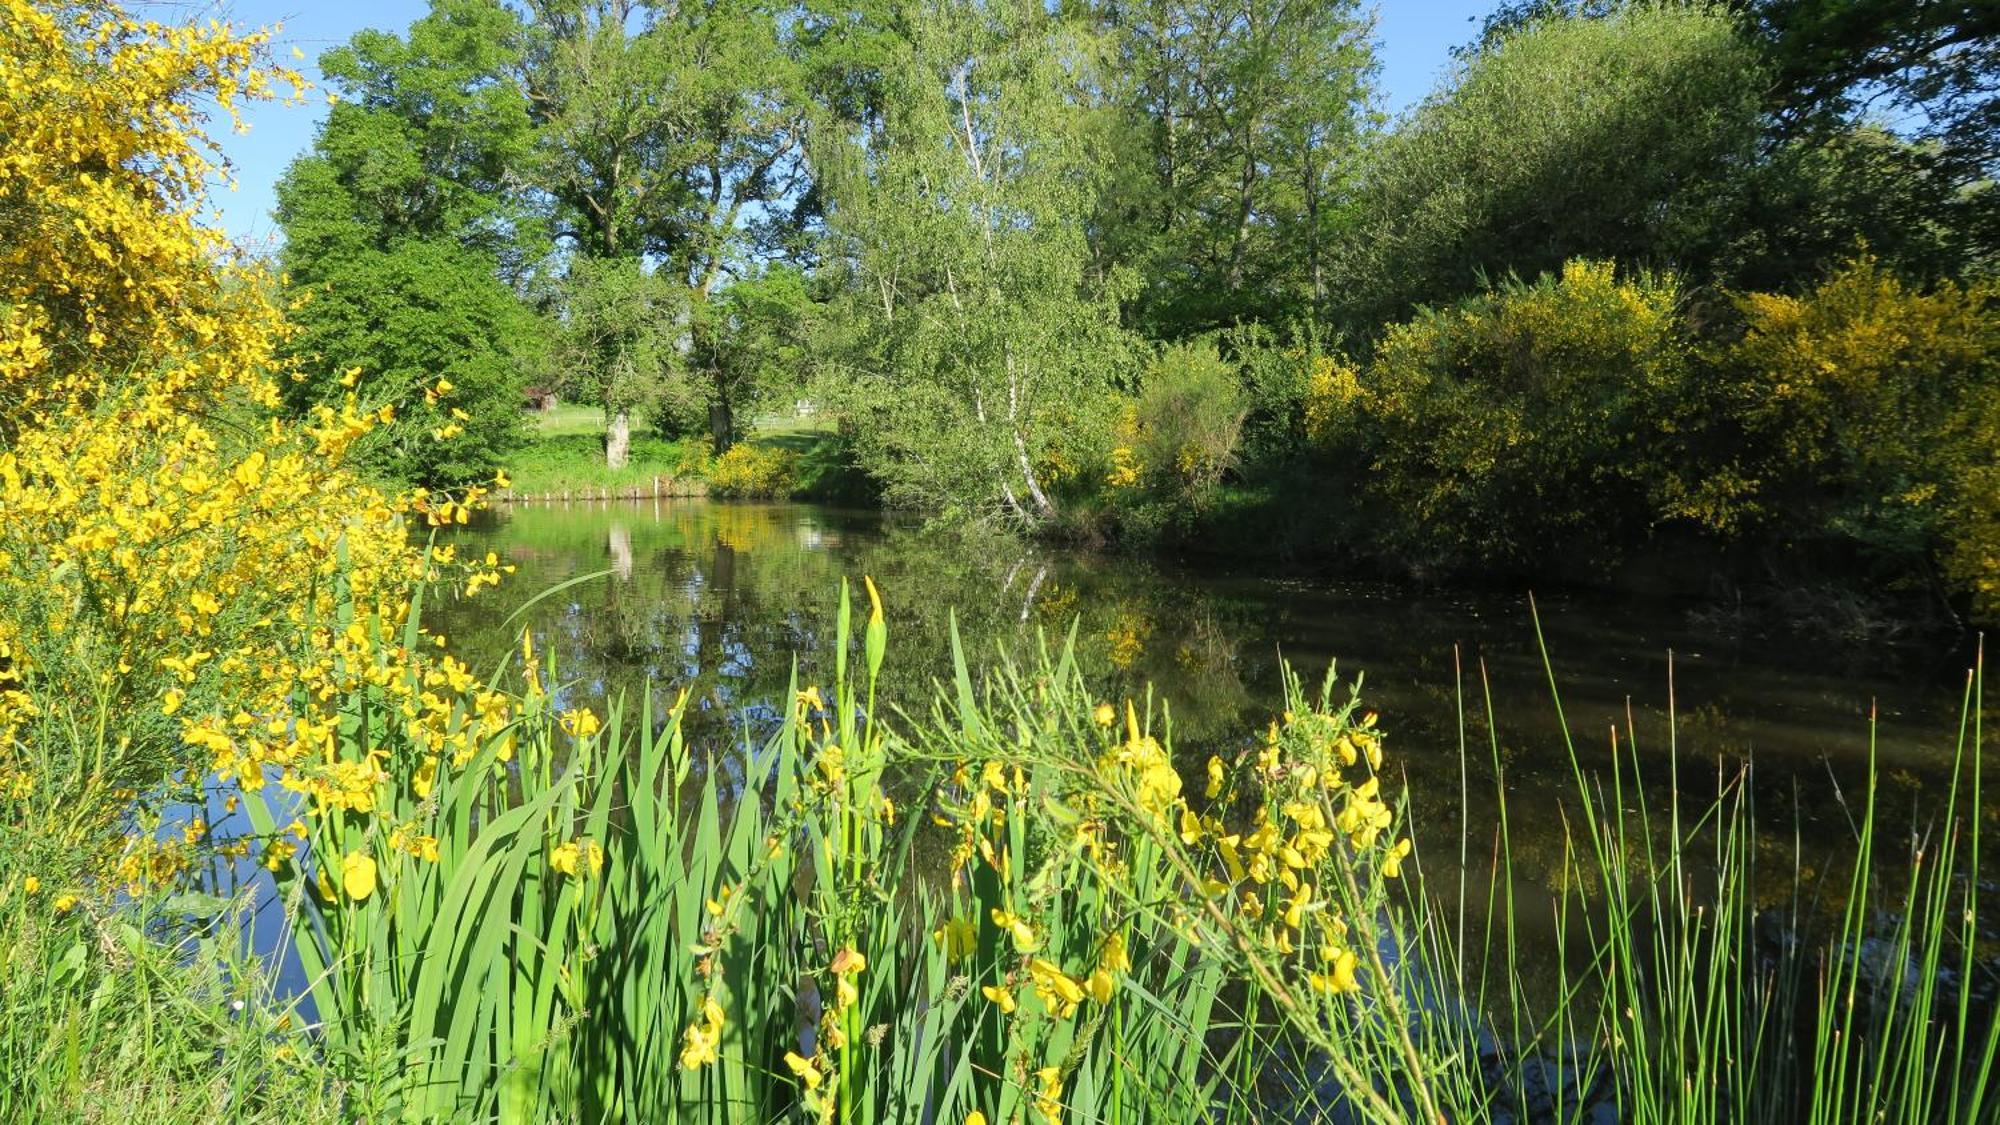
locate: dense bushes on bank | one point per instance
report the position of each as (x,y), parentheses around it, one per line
(1590,417)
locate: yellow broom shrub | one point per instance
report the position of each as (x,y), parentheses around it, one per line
(188,582)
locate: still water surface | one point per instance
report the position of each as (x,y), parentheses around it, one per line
(723,597)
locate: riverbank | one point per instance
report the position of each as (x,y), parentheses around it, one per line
(778,458)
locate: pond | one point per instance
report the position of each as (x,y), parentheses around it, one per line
(726,599)
(722,598)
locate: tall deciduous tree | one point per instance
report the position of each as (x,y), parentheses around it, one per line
(669,141)
(401,225)
(1243,122)
(959,217)
(1618,137)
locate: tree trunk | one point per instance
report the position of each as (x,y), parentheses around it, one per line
(618,441)
(721,426)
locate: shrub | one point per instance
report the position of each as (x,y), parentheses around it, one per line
(1873,410)
(1185,425)
(1533,416)
(752,470)
(1277,370)
(186,577)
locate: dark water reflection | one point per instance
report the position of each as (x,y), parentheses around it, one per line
(722,598)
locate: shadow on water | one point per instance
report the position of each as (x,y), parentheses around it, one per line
(723,599)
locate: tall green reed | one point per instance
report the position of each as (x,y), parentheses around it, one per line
(1002,907)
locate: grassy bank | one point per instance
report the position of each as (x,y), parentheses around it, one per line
(780,458)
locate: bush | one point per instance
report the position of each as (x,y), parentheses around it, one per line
(1534,417)
(751,470)
(1872,410)
(1278,372)
(186,576)
(1185,425)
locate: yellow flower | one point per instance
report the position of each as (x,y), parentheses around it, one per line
(1214,789)
(1100,984)
(581,722)
(958,937)
(1105,715)
(807,1069)
(1392,863)
(975,1118)
(573,857)
(357,875)
(1024,936)
(1056,989)
(1000,995)
(31,884)
(874,601)
(1340,977)
(65,903)
(847,964)
(1048,1098)
(703,1037)
(424,779)
(1114,957)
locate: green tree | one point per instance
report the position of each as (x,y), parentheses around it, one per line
(668,138)
(1933,66)
(1816,198)
(980,331)
(400,227)
(1917,191)
(1241,129)
(417,316)
(1619,137)
(750,344)
(618,345)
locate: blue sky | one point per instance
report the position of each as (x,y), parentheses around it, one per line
(1414,37)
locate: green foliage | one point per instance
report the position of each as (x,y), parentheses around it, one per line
(1611,138)
(1285,378)
(618,925)
(1543,416)
(751,469)
(1187,420)
(423,142)
(411,318)
(1817,198)
(1931,67)
(750,340)
(398,228)
(135,1011)
(1234,157)
(980,328)
(619,343)
(1871,408)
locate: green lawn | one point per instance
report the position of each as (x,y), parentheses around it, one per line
(572,419)
(567,454)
